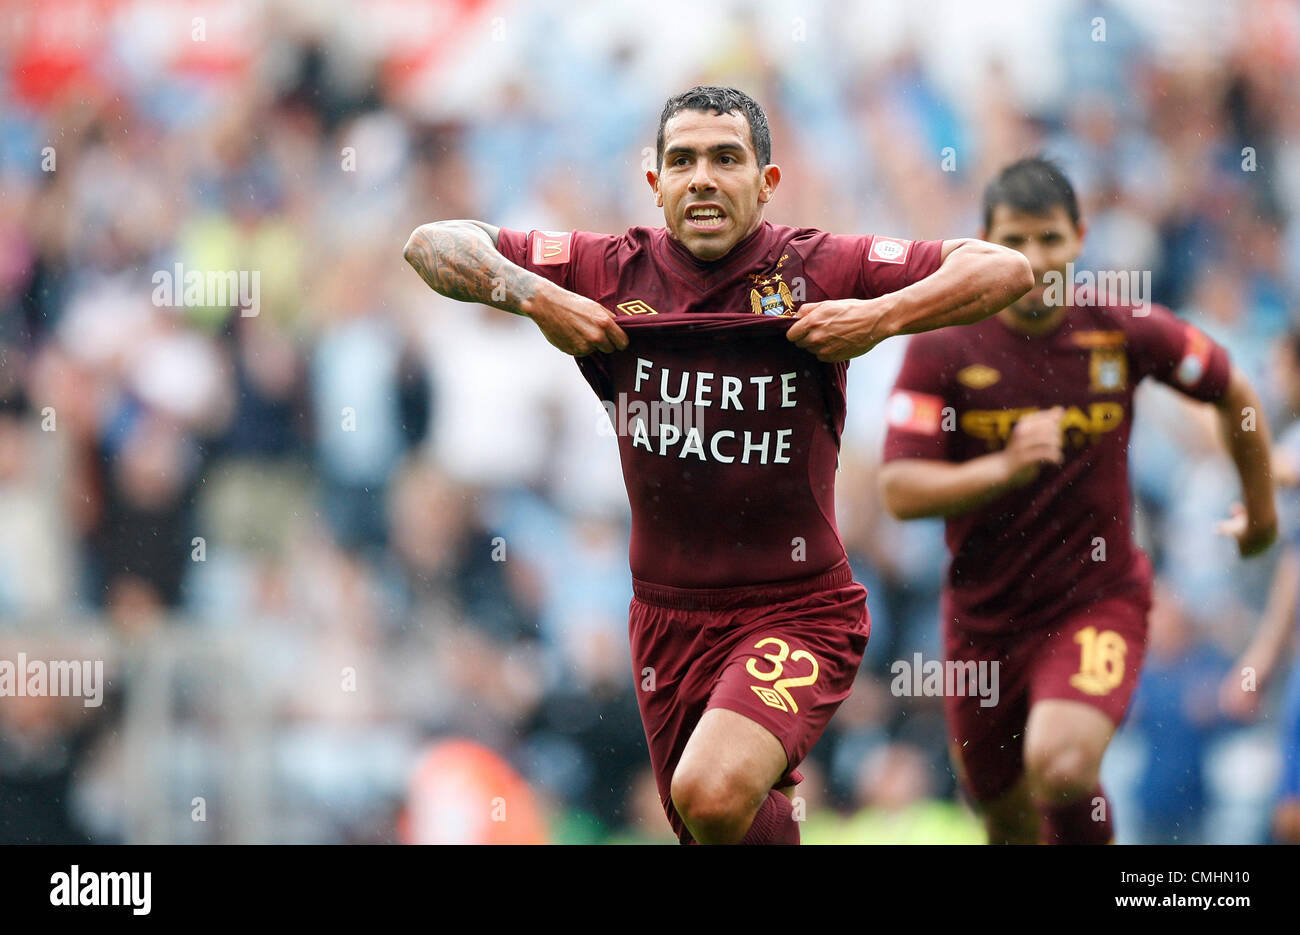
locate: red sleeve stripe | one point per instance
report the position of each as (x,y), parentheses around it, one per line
(889,250)
(551,247)
(914,412)
(1196,357)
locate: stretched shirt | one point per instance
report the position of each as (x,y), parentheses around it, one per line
(1065,538)
(728,433)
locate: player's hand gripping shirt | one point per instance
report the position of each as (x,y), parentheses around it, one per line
(1065,538)
(728,433)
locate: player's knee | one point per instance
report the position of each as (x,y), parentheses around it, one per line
(1061,772)
(711,802)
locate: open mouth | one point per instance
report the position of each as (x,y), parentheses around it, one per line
(705,217)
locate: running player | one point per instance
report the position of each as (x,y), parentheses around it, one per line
(746,626)
(1016,431)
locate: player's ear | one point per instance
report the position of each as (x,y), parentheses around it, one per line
(771,179)
(653,178)
(1081,229)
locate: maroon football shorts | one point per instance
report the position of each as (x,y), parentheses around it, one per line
(784,656)
(1092,654)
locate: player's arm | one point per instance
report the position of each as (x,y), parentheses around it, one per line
(913,488)
(1245,431)
(459,259)
(1270,643)
(974,280)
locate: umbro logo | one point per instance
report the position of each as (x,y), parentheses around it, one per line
(635,307)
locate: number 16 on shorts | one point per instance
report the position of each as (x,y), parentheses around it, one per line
(1101,663)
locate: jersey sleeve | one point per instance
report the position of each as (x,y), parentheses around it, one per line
(914,411)
(852,267)
(579,261)
(889,264)
(1177,353)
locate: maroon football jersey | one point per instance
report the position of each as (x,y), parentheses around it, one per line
(728,433)
(1066,537)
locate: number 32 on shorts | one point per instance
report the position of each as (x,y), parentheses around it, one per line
(1101,662)
(777,695)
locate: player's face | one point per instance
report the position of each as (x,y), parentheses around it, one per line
(710,185)
(1049,241)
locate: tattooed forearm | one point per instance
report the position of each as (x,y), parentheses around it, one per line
(458,259)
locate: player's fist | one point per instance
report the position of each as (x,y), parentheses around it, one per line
(838,329)
(1240,689)
(574,323)
(1036,439)
(1252,533)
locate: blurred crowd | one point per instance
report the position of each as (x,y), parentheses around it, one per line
(320,544)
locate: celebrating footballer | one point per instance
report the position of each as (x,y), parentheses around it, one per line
(746,626)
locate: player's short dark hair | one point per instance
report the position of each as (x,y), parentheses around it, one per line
(1035,186)
(721,101)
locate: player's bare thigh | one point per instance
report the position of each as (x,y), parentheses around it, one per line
(1064,745)
(725,773)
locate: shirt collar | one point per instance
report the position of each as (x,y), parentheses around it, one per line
(738,254)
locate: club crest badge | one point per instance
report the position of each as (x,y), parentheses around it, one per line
(771,295)
(1108,369)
